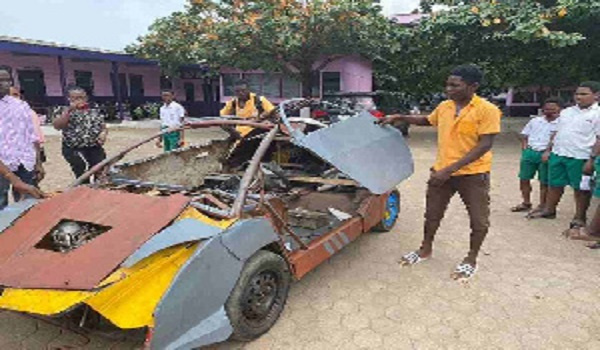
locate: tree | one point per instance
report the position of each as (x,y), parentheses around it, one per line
(274,35)
(518,43)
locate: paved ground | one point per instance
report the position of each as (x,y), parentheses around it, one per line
(534,290)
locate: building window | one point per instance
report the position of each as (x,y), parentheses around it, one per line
(136,85)
(33,85)
(84,80)
(271,85)
(290,87)
(331,82)
(229,80)
(254,82)
(166,83)
(190,92)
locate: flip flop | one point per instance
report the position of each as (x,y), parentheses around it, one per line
(463,271)
(576,224)
(411,259)
(594,246)
(521,208)
(582,235)
(541,215)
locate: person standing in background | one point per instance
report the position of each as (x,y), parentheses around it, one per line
(84,133)
(172,115)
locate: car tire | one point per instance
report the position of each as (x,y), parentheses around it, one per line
(392,211)
(259,295)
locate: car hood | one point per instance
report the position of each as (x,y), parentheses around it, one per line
(376,157)
(132,220)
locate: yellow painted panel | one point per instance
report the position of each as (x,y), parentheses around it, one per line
(191,213)
(130,303)
(129,296)
(41,301)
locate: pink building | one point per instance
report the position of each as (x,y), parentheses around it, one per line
(347,74)
(45,70)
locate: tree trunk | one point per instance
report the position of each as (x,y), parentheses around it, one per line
(306,80)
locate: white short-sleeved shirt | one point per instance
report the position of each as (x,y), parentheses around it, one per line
(171,115)
(538,132)
(577,131)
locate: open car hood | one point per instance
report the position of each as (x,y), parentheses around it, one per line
(26,261)
(378,158)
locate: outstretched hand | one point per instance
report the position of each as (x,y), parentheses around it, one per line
(389,120)
(26,189)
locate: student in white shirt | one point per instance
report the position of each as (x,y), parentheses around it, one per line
(570,152)
(171,115)
(535,138)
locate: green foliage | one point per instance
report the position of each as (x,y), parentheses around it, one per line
(518,43)
(274,35)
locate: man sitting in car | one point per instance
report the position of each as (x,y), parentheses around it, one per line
(247,105)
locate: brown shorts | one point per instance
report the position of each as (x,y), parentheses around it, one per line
(474,190)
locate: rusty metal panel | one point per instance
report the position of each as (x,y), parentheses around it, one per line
(372,211)
(133,220)
(305,260)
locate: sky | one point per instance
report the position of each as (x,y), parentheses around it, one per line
(106,24)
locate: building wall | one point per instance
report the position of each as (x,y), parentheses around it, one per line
(151,77)
(49,65)
(100,74)
(356,75)
(179,91)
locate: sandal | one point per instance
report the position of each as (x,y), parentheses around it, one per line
(411,259)
(463,271)
(582,235)
(576,223)
(536,210)
(521,208)
(594,246)
(541,215)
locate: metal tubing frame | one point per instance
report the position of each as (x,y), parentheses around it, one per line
(238,204)
(193,125)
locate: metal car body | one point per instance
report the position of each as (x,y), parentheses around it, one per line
(161,242)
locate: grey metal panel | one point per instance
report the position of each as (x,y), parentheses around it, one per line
(376,157)
(213,329)
(186,230)
(13,211)
(245,237)
(199,290)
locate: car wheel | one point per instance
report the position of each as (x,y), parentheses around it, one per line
(259,295)
(392,210)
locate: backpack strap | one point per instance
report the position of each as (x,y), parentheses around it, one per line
(258,104)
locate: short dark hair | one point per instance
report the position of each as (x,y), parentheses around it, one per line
(76,88)
(241,82)
(468,72)
(554,100)
(592,85)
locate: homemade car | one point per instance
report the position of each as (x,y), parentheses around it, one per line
(201,244)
